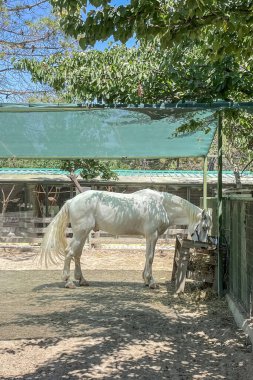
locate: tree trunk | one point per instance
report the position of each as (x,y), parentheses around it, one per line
(74,179)
(237,178)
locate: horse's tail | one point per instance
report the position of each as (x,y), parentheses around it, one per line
(54,243)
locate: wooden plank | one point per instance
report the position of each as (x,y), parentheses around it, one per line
(42,230)
(22,247)
(243,264)
(187,243)
(184,256)
(175,260)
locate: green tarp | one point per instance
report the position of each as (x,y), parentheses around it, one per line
(74,132)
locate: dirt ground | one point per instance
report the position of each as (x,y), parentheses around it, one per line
(116,328)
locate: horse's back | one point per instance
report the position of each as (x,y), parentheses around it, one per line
(119,213)
(125,213)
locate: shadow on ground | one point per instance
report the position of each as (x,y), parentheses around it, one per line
(121,330)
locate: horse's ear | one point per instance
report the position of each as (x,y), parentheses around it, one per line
(205,214)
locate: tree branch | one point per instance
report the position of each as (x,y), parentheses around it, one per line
(23,7)
(25,42)
(73,178)
(12,92)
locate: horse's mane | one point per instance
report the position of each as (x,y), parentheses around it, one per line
(192,210)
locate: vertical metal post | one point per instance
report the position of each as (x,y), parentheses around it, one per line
(205,183)
(25,196)
(188,194)
(220,253)
(250,305)
(46,201)
(71,194)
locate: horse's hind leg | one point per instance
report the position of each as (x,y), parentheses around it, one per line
(78,271)
(74,248)
(150,251)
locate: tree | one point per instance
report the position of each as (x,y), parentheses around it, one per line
(87,169)
(112,75)
(6,199)
(28,30)
(238,140)
(222,26)
(215,35)
(115,73)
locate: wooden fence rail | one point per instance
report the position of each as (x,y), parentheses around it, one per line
(19,227)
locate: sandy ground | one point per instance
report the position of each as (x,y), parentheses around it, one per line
(116,328)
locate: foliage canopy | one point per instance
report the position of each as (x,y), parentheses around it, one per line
(223,26)
(166,74)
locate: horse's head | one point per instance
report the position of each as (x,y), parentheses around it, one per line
(200,230)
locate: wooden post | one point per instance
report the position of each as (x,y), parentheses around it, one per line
(184,256)
(176,255)
(181,260)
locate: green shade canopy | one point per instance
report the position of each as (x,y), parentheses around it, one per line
(105,133)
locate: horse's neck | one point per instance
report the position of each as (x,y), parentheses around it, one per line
(185,212)
(193,212)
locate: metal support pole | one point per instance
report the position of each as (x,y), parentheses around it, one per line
(25,196)
(71,192)
(188,194)
(220,253)
(46,201)
(205,183)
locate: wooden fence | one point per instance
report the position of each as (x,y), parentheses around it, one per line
(23,227)
(238,232)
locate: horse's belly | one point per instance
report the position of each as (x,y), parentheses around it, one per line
(123,228)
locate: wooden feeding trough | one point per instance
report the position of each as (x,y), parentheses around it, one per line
(194,260)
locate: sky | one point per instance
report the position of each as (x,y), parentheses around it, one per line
(102,45)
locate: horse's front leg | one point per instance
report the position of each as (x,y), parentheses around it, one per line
(150,251)
(78,271)
(66,269)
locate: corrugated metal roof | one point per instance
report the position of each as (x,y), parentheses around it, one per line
(128,173)
(32,171)
(175,173)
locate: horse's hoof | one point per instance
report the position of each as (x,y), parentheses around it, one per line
(84,283)
(153,286)
(70,285)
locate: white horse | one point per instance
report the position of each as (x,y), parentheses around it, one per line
(145,212)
